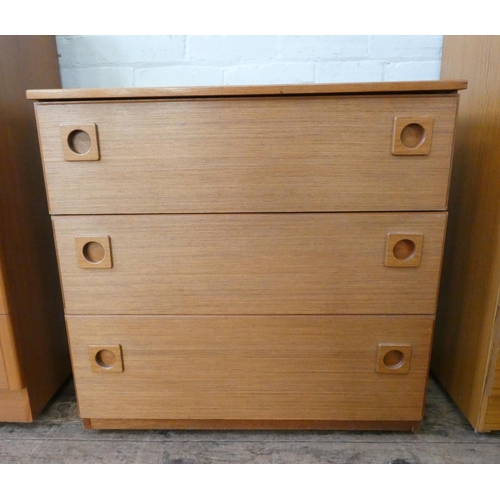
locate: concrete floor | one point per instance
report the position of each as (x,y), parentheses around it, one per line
(57,437)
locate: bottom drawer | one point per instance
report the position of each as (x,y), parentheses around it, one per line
(290,368)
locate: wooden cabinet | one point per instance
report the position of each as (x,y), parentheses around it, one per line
(34,357)
(467,334)
(250,257)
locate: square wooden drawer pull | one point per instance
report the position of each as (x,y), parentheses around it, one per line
(393,358)
(404,250)
(79,142)
(412,135)
(106,358)
(93,252)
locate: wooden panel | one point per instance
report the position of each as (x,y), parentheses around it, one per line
(493,382)
(464,340)
(495,391)
(15,406)
(3,300)
(4,383)
(4,306)
(284,154)
(236,90)
(492,416)
(250,264)
(250,367)
(28,253)
(10,356)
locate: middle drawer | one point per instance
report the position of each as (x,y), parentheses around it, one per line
(342,263)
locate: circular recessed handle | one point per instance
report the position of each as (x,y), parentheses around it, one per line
(394,359)
(105,358)
(404,249)
(93,252)
(413,135)
(79,142)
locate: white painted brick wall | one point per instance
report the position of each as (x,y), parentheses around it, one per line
(227,51)
(276,72)
(156,61)
(323,48)
(410,71)
(350,71)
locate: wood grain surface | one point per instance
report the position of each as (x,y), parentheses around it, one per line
(492,415)
(250,264)
(236,90)
(15,406)
(3,301)
(289,154)
(4,383)
(466,345)
(9,350)
(29,267)
(250,367)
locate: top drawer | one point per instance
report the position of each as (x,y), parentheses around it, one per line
(251,154)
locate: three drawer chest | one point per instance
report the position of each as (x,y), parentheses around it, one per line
(250,257)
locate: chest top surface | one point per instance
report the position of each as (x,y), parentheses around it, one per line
(437,86)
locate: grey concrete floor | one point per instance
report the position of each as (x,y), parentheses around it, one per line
(57,437)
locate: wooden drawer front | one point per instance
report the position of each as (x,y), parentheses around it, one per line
(287,154)
(249,264)
(242,367)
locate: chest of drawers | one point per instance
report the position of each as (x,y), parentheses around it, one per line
(250,257)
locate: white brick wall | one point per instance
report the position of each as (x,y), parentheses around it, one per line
(150,61)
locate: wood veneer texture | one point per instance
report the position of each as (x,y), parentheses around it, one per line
(466,340)
(28,263)
(265,154)
(250,264)
(3,300)
(250,367)
(256,90)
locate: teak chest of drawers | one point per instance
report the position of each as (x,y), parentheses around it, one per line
(250,257)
